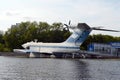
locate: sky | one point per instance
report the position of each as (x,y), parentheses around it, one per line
(93,12)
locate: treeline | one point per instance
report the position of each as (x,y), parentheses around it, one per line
(99,38)
(29,31)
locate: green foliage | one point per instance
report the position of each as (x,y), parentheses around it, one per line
(1,38)
(6,50)
(28,31)
(1,47)
(1,42)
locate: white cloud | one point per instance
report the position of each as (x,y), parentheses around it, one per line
(12,14)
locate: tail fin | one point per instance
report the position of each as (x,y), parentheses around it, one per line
(81,32)
(79,35)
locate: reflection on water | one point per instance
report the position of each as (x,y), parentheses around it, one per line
(58,69)
(104,69)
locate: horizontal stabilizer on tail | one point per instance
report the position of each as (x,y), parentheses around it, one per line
(95,28)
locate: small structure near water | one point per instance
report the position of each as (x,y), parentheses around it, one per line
(112,48)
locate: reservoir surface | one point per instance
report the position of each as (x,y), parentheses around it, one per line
(12,68)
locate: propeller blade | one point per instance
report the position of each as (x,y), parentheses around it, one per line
(66,25)
(69,22)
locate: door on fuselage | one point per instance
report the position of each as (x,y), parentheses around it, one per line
(34,48)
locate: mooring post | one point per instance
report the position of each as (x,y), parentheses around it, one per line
(73,55)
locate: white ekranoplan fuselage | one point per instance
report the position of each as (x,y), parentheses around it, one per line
(51,47)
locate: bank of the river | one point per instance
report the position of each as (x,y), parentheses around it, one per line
(12,54)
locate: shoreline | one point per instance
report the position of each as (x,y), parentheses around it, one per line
(12,54)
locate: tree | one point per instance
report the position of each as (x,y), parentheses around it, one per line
(99,38)
(28,31)
(23,32)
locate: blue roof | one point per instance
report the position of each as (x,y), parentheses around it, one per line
(115,44)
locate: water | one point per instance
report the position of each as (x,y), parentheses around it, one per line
(58,69)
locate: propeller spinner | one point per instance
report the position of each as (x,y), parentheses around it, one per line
(70,26)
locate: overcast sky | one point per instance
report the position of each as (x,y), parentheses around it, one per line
(93,12)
